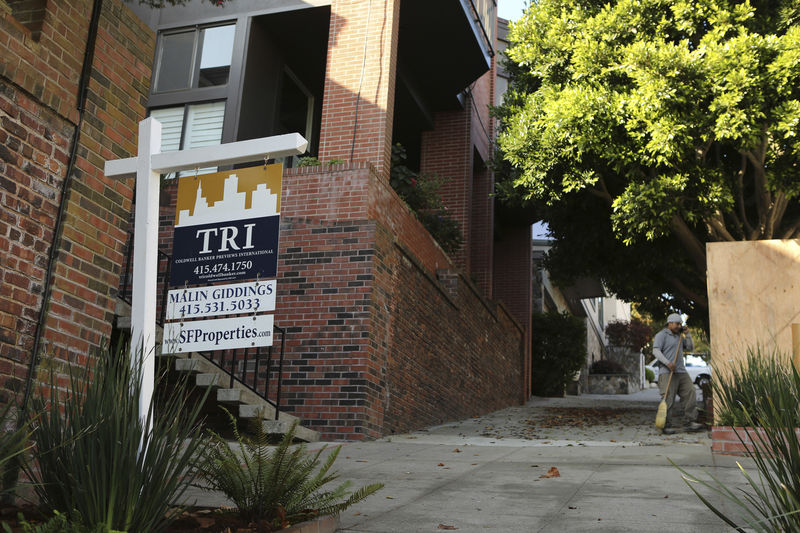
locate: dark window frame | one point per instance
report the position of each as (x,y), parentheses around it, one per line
(199,95)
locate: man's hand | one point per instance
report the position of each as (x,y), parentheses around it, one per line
(671,367)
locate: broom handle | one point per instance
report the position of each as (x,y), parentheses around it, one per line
(677,350)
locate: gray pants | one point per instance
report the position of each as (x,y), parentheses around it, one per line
(683,386)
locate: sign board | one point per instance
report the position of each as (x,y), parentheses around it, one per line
(226,226)
(218,334)
(218,300)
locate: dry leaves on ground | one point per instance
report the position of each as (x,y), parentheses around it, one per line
(553,472)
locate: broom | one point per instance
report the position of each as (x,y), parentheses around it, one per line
(661,415)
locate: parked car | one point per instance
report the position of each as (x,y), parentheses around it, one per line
(698,370)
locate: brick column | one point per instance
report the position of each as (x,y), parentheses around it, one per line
(513,284)
(447,153)
(358,102)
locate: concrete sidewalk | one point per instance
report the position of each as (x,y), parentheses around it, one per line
(485,473)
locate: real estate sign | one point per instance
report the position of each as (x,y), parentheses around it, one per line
(218,334)
(218,300)
(226,226)
(226,229)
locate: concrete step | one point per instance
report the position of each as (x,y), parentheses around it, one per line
(207,374)
(230,396)
(207,380)
(281,427)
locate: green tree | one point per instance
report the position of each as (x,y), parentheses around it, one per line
(642,129)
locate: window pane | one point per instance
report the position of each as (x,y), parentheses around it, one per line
(215,60)
(295,107)
(175,61)
(203,128)
(171,119)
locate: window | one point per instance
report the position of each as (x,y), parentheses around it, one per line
(194,58)
(296,106)
(190,126)
(29,13)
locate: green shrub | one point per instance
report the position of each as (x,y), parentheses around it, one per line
(771,503)
(276,484)
(13,443)
(650,375)
(98,464)
(606,366)
(740,391)
(59,523)
(559,350)
(634,334)
(421,193)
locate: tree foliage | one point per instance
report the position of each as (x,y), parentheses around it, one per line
(559,351)
(642,129)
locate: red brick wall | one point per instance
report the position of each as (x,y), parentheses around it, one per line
(369,322)
(727,440)
(359,82)
(513,277)
(38,110)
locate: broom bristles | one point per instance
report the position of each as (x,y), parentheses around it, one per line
(661,416)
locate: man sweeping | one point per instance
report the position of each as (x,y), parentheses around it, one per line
(668,347)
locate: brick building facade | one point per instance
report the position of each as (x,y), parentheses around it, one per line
(63,225)
(386,332)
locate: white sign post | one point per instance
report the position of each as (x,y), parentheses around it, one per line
(147,167)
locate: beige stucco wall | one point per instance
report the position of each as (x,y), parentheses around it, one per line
(753,296)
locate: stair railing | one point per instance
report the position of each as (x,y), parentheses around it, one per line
(234,363)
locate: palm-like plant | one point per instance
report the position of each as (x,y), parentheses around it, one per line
(279,485)
(13,443)
(762,393)
(99,464)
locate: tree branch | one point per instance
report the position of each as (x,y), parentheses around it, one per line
(792,230)
(690,242)
(698,299)
(737,226)
(775,214)
(740,195)
(717,226)
(761,191)
(703,151)
(603,192)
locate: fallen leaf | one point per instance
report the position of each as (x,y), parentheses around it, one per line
(553,472)
(444,526)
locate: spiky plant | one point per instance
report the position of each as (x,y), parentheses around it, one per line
(771,501)
(281,484)
(99,464)
(741,389)
(13,443)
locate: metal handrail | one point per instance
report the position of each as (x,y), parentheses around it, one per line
(125,295)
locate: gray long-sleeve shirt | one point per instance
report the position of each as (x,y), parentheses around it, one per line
(665,344)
